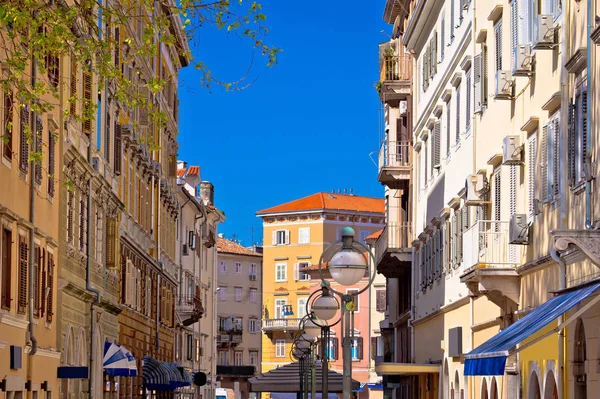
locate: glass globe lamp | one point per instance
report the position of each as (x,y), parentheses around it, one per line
(312,329)
(325,307)
(347,267)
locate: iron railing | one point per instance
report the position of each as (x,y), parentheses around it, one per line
(486,245)
(395,154)
(396,68)
(274,324)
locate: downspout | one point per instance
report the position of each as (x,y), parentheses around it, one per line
(158,213)
(590,82)
(561,334)
(34,343)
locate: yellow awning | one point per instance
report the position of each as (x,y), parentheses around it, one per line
(406,369)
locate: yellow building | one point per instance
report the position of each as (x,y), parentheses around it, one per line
(294,236)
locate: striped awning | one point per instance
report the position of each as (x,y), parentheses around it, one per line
(118,361)
(164,376)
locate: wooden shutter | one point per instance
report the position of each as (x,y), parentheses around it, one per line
(380,300)
(287,237)
(44,282)
(556,156)
(425,168)
(117,48)
(143,106)
(51,162)
(73,87)
(434,58)
(36,281)
(23,257)
(50,297)
(111,244)
(5,288)
(572,142)
(70,205)
(442,38)
(459,241)
(107,126)
(446,247)
(484,79)
(497,193)
(37,140)
(477,87)
(87,102)
(545,178)
(373,348)
(531,175)
(498,42)
(52,69)
(584,130)
(436,143)
(359,342)
(8,125)
(440,257)
(448,124)
(82,220)
(435,254)
(24,149)
(421,270)
(512,206)
(118,149)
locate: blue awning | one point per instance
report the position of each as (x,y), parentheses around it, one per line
(373,385)
(164,376)
(360,388)
(118,361)
(72,372)
(490,357)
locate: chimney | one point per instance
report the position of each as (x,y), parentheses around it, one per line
(207,193)
(181,164)
(221,235)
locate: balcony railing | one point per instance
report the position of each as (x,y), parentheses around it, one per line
(189,303)
(396,236)
(281,324)
(394,154)
(486,245)
(396,68)
(223,338)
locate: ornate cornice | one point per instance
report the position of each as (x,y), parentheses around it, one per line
(588,241)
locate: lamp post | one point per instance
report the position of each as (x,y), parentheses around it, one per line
(348,262)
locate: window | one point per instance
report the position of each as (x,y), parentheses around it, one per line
(99,235)
(281,237)
(280,305)
(82,220)
(363,234)
(238,294)
(448,124)
(280,348)
(331,351)
(457,113)
(253,325)
(550,163)
(302,307)
(223,358)
(304,235)
(253,295)
(442,37)
(8,126)
(425,168)
(498,39)
(531,175)
(6,268)
(281,272)
(51,162)
(238,358)
(238,267)
(357,349)
(223,293)
(223,266)
(300,275)
(380,301)
(578,137)
(177,346)
(435,144)
(238,324)
(355,297)
(452,12)
(189,346)
(468,101)
(253,269)
(253,358)
(24,145)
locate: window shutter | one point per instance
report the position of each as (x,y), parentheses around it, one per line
(421,270)
(37,140)
(484,76)
(512,190)
(545,178)
(36,280)
(441,245)
(23,257)
(335,348)
(24,153)
(434,46)
(274,236)
(87,102)
(497,193)
(498,42)
(459,241)
(8,124)
(436,143)
(531,175)
(452,11)
(117,48)
(477,87)
(144,105)
(73,87)
(426,168)
(380,300)
(50,297)
(373,347)
(448,124)
(556,162)
(457,113)
(360,347)
(442,37)
(572,143)
(446,247)
(51,162)
(468,101)
(107,125)
(287,237)
(118,148)
(524,26)
(296,271)
(584,128)
(514,24)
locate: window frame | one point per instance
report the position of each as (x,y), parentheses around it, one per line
(237,292)
(278,267)
(304,235)
(280,348)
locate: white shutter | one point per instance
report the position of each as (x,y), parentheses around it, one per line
(497,193)
(296,271)
(436,144)
(544,165)
(477,87)
(442,38)
(448,125)
(531,173)
(461,229)
(452,12)
(514,25)
(287,237)
(457,113)
(524,26)
(425,168)
(584,129)
(275,237)
(468,100)
(556,162)
(551,168)
(498,42)
(512,207)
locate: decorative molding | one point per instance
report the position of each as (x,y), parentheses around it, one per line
(496,13)
(577,62)
(553,103)
(531,124)
(495,160)
(445,309)
(481,36)
(12,321)
(587,241)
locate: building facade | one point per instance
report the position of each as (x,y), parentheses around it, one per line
(239,312)
(296,234)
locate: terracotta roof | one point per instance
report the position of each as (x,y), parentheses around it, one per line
(343,202)
(375,235)
(229,247)
(193,171)
(181,172)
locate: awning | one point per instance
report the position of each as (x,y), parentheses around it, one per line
(72,372)
(406,369)
(360,388)
(118,361)
(490,357)
(164,376)
(294,395)
(373,385)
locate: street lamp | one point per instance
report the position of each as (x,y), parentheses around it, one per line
(326,307)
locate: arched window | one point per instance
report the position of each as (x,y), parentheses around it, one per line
(579,358)
(550,391)
(534,387)
(446,382)
(493,389)
(456,385)
(484,389)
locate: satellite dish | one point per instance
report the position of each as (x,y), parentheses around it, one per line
(200,379)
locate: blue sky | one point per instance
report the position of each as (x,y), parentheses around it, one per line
(306,125)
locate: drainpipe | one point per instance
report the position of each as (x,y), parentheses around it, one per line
(590,82)
(561,334)
(32,165)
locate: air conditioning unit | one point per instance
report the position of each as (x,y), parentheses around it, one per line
(523,60)
(184,250)
(476,187)
(511,150)
(253,277)
(518,232)
(504,85)
(96,164)
(543,35)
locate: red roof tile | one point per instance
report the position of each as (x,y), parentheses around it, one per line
(194,171)
(181,172)
(375,235)
(229,247)
(330,201)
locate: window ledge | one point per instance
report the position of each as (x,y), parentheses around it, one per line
(578,188)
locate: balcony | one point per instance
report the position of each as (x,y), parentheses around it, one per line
(395,164)
(190,309)
(490,262)
(235,371)
(392,249)
(284,325)
(395,78)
